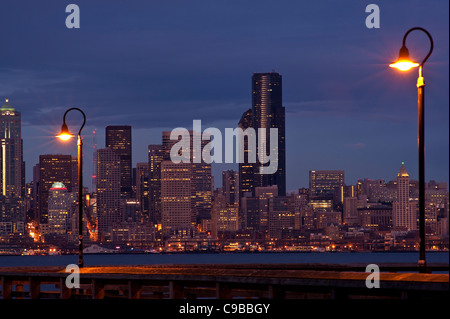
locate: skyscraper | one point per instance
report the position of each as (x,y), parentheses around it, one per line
(246,168)
(176,199)
(404,210)
(196,180)
(142,187)
(12,172)
(155,157)
(350,214)
(118,138)
(323,183)
(108,190)
(268,112)
(60,204)
(224,216)
(230,186)
(200,175)
(52,169)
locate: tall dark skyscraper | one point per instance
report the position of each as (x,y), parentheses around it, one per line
(12,172)
(267,112)
(245,168)
(118,138)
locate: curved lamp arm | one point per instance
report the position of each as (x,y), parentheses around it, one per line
(429,37)
(84,118)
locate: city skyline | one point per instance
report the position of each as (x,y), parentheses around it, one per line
(350,112)
(226,149)
(218,173)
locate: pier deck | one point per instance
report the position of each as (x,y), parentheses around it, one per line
(268,281)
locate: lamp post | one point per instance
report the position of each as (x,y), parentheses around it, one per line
(65,135)
(404,64)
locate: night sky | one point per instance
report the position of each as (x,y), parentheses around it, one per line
(158,65)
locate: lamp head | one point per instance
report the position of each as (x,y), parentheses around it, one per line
(65,134)
(403,62)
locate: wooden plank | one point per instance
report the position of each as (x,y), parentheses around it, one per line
(98,289)
(35,287)
(223,291)
(6,287)
(225,281)
(134,290)
(64,292)
(176,290)
(276,292)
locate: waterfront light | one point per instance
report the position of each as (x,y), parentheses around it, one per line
(66,135)
(404,63)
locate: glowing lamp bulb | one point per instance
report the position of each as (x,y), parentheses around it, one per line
(65,137)
(65,134)
(404,63)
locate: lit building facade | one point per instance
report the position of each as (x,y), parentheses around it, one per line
(377,217)
(155,158)
(322,183)
(224,216)
(108,190)
(52,168)
(12,167)
(404,210)
(201,178)
(12,216)
(176,199)
(60,205)
(142,188)
(230,186)
(118,138)
(281,218)
(350,214)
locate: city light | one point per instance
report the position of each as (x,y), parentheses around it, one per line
(64,134)
(404,63)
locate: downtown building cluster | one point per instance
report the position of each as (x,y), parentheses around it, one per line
(160,204)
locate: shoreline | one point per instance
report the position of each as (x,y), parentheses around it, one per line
(231,252)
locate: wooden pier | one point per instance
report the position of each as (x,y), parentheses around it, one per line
(269,281)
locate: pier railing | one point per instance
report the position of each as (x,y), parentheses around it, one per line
(270,281)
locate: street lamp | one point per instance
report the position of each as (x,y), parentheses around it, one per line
(66,135)
(404,63)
